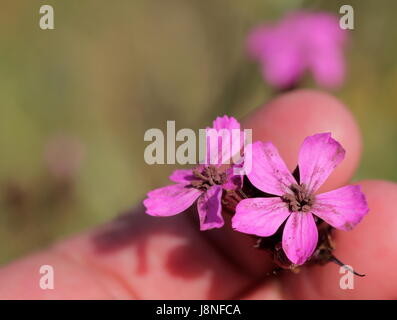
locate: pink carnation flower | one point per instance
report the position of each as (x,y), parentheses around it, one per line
(295,200)
(302,41)
(205,183)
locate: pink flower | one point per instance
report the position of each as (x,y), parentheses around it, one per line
(295,200)
(205,183)
(302,41)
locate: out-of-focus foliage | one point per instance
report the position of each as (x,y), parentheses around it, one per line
(75,101)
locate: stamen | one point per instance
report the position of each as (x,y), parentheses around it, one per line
(210,174)
(208,177)
(300,200)
(199,175)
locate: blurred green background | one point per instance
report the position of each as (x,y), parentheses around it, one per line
(75,101)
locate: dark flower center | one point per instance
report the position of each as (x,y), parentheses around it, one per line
(208,177)
(300,200)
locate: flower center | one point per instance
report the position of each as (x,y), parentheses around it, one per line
(208,177)
(300,200)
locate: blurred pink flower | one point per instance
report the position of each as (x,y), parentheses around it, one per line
(300,42)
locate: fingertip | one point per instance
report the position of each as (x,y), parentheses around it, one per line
(289,118)
(369,248)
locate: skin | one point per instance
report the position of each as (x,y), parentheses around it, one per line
(142,257)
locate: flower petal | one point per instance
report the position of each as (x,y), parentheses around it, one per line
(260,216)
(223,141)
(233,181)
(170,200)
(283,70)
(328,67)
(225,122)
(266,170)
(210,209)
(318,157)
(278,51)
(342,208)
(259,41)
(300,237)
(282,64)
(184,176)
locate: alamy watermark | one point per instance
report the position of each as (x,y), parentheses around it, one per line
(224,146)
(46,281)
(347,20)
(46,21)
(346,282)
